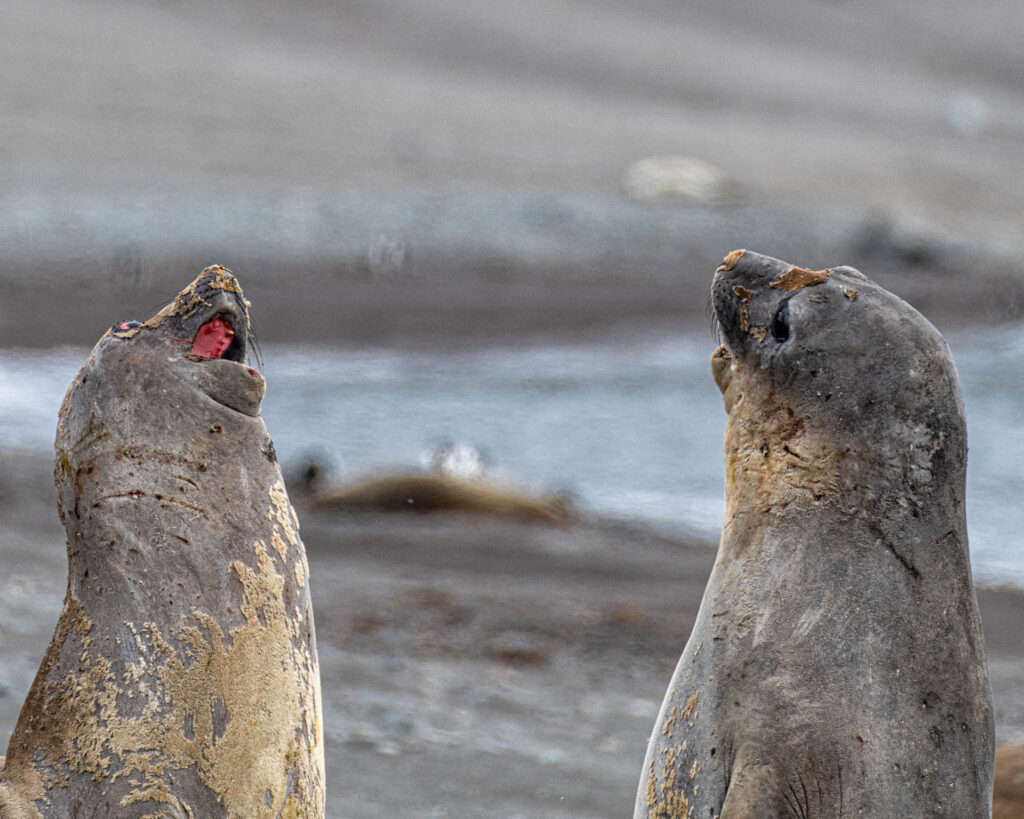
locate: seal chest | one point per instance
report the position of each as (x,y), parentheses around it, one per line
(182,678)
(836,667)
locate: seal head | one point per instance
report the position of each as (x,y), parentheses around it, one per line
(205,333)
(838,392)
(836,667)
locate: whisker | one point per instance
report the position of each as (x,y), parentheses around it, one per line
(254,345)
(713,323)
(163,305)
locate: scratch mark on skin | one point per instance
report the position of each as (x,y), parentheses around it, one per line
(786,448)
(137,493)
(93,435)
(906,563)
(910,567)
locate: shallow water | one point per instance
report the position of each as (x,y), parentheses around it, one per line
(631,427)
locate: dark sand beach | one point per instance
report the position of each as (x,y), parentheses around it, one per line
(447,175)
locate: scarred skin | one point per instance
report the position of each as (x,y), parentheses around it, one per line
(182,678)
(836,667)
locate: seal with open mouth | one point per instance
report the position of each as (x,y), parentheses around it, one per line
(836,667)
(182,678)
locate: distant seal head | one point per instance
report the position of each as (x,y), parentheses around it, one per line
(182,678)
(836,666)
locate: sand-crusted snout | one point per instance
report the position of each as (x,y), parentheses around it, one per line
(750,294)
(203,336)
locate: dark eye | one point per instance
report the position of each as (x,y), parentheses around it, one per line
(780,323)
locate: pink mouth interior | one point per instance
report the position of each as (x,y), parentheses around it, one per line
(213,339)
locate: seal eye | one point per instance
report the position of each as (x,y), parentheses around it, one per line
(780,324)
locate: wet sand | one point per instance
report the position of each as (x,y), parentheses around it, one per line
(470,667)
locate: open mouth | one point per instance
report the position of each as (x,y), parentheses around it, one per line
(218,339)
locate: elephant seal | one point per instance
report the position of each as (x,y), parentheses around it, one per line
(836,666)
(182,677)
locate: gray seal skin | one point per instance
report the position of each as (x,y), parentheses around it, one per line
(182,677)
(836,666)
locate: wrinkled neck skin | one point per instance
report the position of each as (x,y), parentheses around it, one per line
(182,678)
(844,414)
(140,441)
(786,471)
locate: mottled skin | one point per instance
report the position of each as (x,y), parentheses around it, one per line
(182,678)
(836,667)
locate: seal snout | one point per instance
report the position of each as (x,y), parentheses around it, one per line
(750,295)
(215,303)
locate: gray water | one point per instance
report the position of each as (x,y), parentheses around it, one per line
(631,427)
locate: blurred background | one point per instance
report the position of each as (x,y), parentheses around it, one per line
(491,226)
